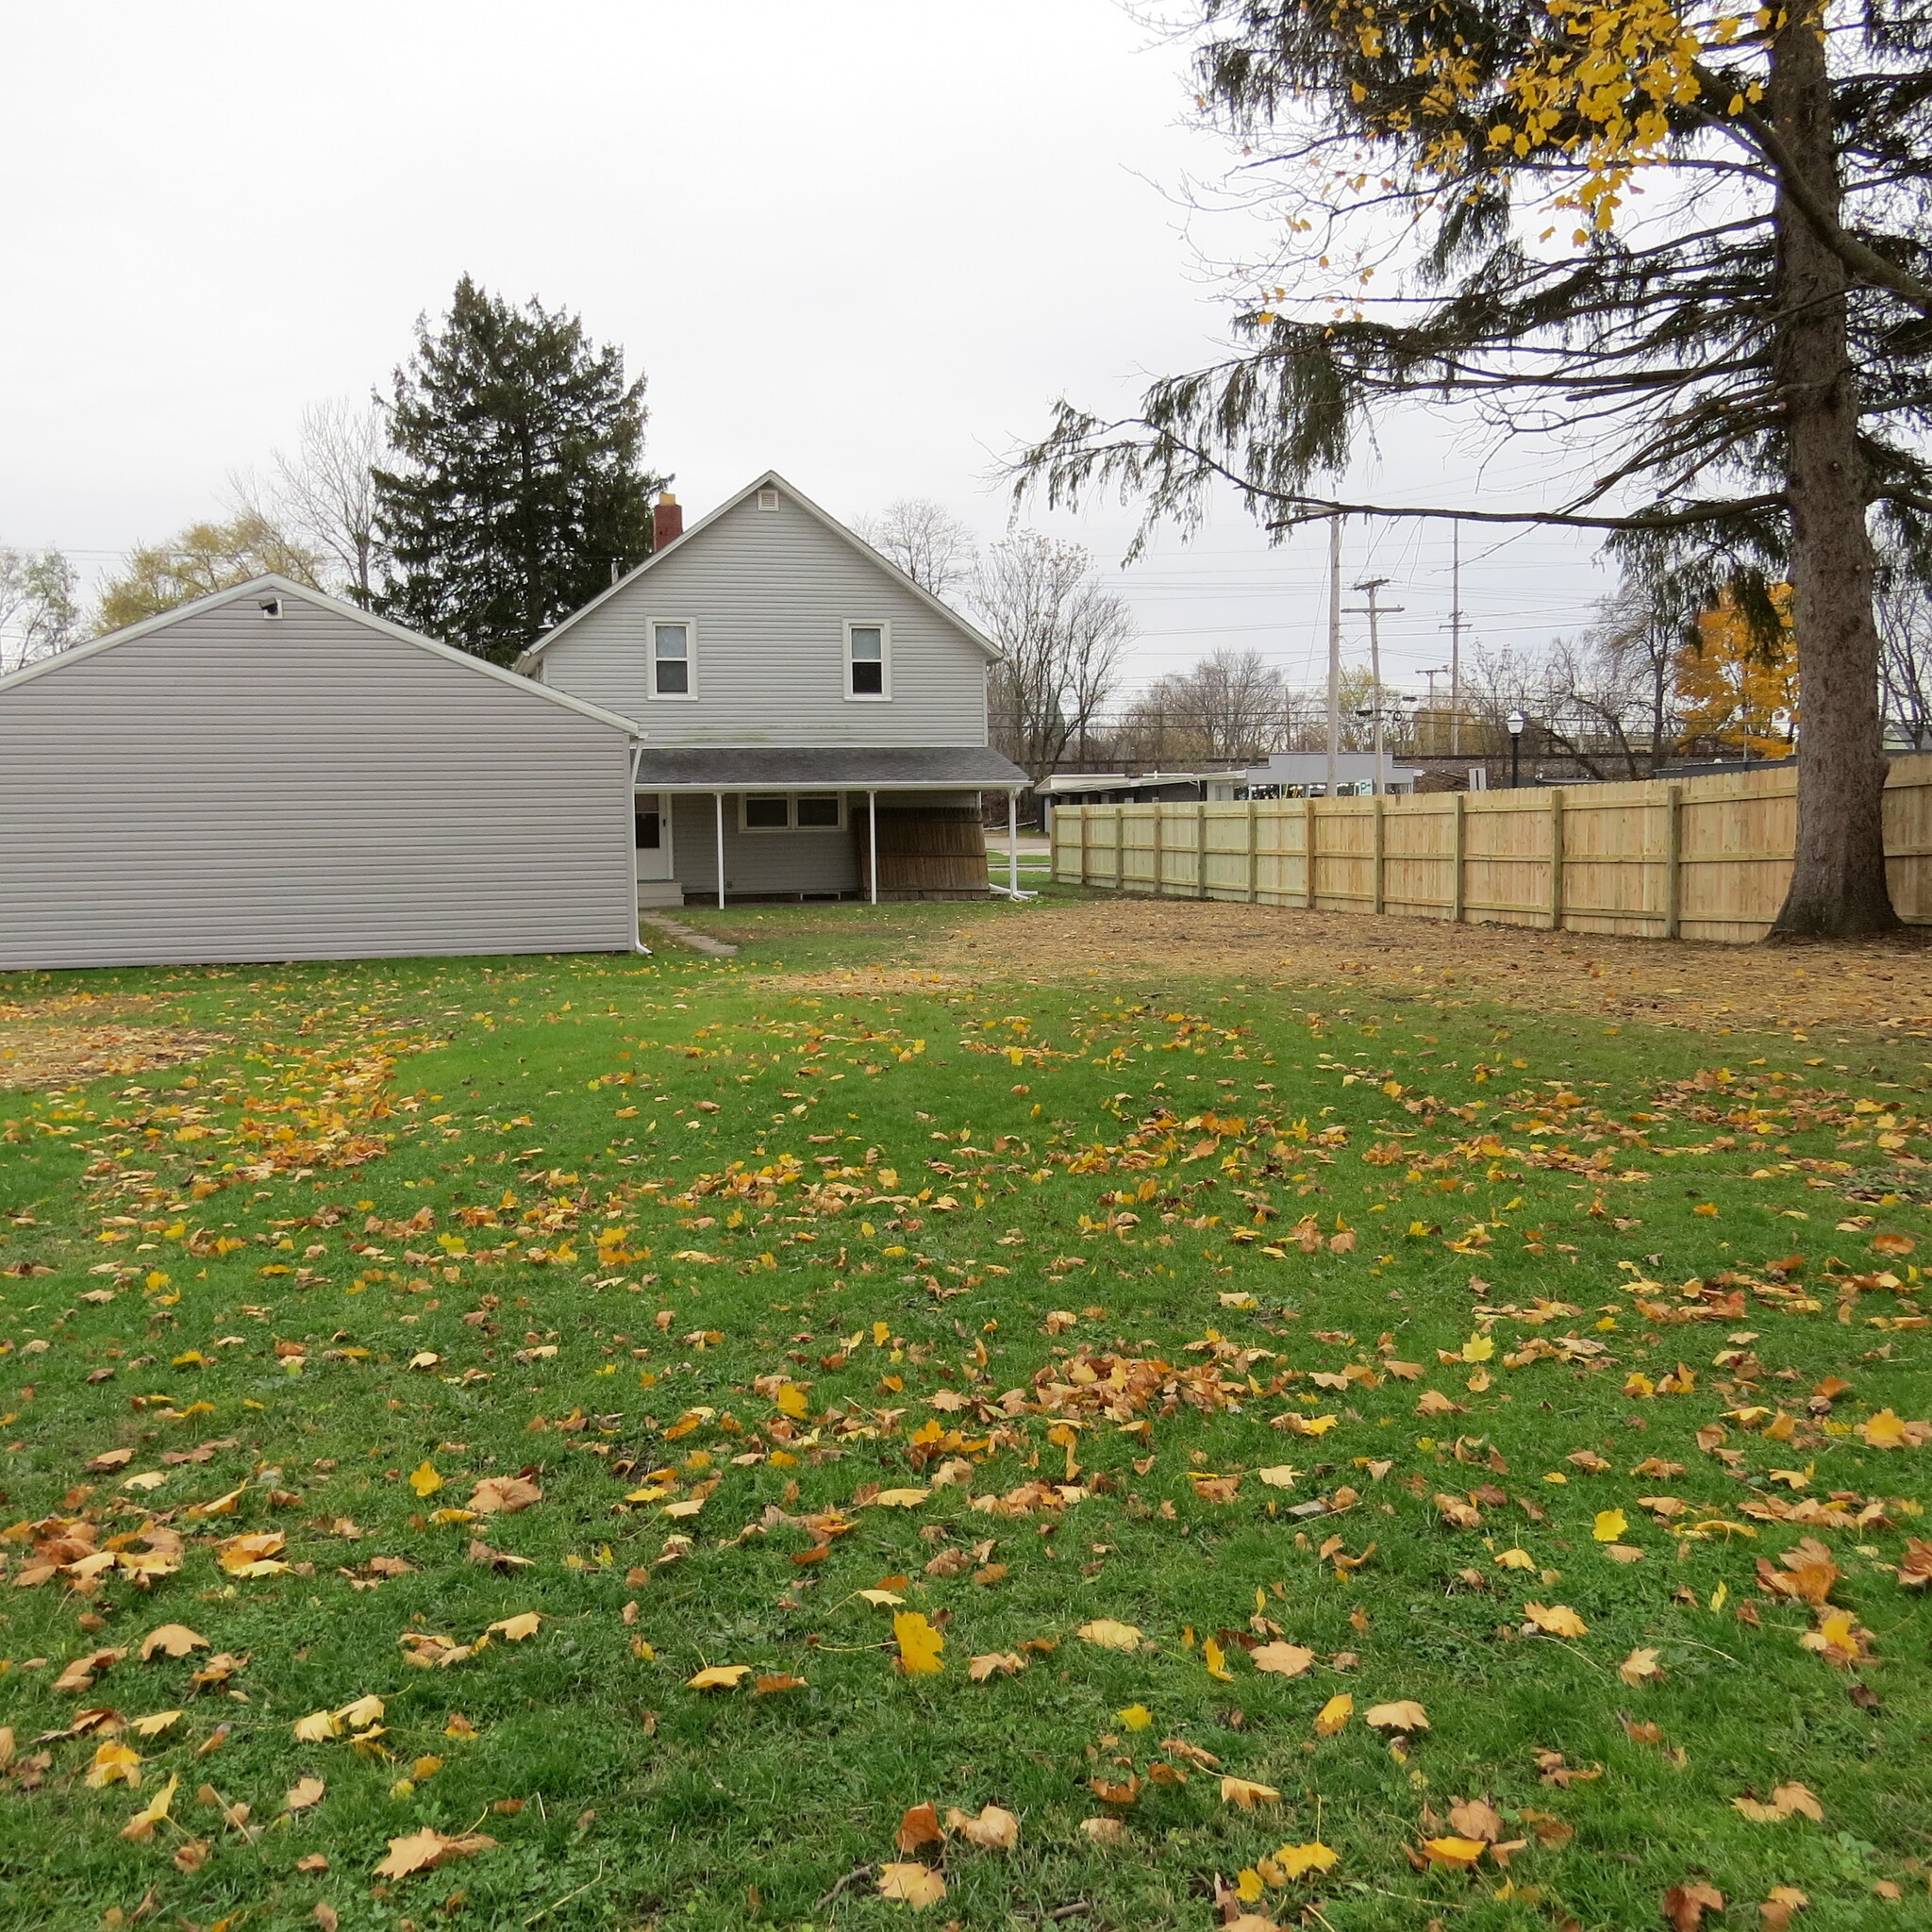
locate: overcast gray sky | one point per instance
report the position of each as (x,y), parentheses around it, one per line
(865,243)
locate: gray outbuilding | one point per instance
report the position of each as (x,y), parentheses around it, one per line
(268,774)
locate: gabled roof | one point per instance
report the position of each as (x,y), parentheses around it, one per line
(285,587)
(770,480)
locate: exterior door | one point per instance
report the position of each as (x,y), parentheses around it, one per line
(653,836)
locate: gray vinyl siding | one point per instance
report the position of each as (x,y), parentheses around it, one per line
(799,860)
(233,788)
(767,594)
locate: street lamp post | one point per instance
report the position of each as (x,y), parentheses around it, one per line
(1517,721)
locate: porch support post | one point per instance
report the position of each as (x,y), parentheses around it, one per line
(871,844)
(718,798)
(1012,841)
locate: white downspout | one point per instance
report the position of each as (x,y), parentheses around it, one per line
(871,841)
(1012,841)
(718,798)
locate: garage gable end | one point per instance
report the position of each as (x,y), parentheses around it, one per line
(271,775)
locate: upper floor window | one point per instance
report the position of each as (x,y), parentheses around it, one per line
(670,661)
(868,660)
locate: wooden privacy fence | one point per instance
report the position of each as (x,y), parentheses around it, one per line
(1698,858)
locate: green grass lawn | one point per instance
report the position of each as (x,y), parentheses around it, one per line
(1418,1408)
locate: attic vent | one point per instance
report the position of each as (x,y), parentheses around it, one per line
(768,499)
(271,607)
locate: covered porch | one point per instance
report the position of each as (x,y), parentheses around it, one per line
(764,823)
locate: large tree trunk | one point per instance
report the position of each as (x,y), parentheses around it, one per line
(1838,883)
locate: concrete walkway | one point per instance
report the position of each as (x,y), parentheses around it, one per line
(686,936)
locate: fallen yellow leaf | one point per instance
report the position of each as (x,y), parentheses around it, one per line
(1334,1714)
(911,1884)
(920,1644)
(717,1677)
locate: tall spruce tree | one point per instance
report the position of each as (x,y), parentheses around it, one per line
(1740,357)
(518,486)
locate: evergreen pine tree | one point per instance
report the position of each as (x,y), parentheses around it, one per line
(1740,357)
(518,486)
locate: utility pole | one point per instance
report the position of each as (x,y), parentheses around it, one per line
(1455,628)
(1334,651)
(1374,611)
(1435,723)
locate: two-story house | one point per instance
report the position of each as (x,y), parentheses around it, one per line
(815,723)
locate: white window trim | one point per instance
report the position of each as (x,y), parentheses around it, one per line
(884,626)
(790,824)
(690,660)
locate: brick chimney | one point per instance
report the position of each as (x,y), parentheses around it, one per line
(667,521)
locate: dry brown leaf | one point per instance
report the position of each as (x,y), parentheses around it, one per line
(423,1851)
(1246,1793)
(1405,1714)
(1474,1818)
(1556,1619)
(995,1663)
(177,1639)
(504,1495)
(1281,1659)
(995,1829)
(918,1824)
(1685,1905)
(1103,1831)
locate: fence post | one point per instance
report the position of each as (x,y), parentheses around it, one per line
(1254,855)
(1157,882)
(1309,823)
(1673,845)
(1200,850)
(1557,860)
(1084,837)
(1458,837)
(1379,861)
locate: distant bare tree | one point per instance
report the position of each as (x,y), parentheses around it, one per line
(1905,660)
(39,612)
(322,495)
(1063,636)
(926,539)
(1232,705)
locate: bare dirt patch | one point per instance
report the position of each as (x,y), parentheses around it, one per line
(37,1054)
(1880,986)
